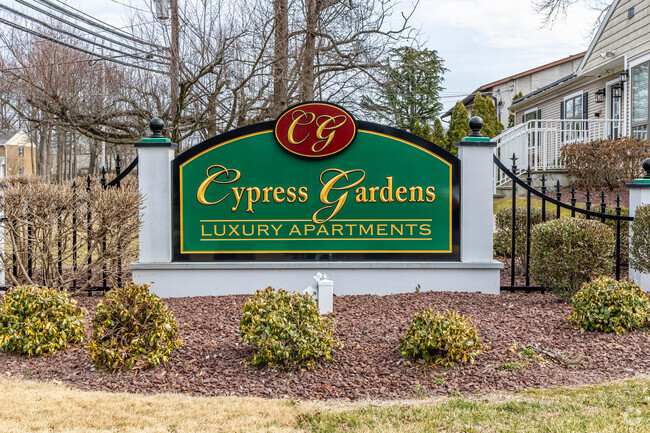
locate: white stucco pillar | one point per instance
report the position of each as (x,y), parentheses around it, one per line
(155,155)
(476,195)
(639,196)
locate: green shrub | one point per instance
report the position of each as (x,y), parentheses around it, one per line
(37,320)
(503,230)
(441,338)
(625,234)
(132,328)
(640,249)
(568,252)
(287,329)
(607,305)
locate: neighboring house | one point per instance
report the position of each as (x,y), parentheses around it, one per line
(502,91)
(15,154)
(606,97)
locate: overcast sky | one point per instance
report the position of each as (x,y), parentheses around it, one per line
(480,40)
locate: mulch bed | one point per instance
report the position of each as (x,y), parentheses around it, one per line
(212,360)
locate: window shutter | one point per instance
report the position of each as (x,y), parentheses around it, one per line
(523,118)
(585,107)
(561,118)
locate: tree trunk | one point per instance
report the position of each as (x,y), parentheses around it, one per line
(281,57)
(309,50)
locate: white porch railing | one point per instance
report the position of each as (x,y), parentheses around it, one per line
(537,143)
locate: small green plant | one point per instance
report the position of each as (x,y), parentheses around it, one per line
(511,366)
(38,320)
(640,241)
(530,353)
(419,391)
(286,329)
(607,305)
(439,381)
(567,252)
(441,338)
(132,328)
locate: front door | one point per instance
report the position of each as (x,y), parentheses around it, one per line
(615,125)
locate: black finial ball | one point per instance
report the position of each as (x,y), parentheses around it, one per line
(646,168)
(475,124)
(156,125)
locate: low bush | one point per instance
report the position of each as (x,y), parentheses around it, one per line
(568,252)
(286,329)
(607,305)
(640,241)
(132,328)
(605,163)
(442,339)
(38,320)
(503,231)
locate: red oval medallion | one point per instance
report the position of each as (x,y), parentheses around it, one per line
(315,129)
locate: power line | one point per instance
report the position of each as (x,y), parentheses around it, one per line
(94,22)
(82,28)
(131,7)
(27,17)
(65,44)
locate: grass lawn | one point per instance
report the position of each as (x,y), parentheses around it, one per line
(506,203)
(622,406)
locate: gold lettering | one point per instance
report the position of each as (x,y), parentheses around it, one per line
(309,228)
(291,194)
(393,229)
(361,195)
(323,127)
(322,229)
(381,229)
(239,193)
(419,190)
(398,194)
(372,191)
(250,198)
(296,122)
(266,194)
(410,226)
(431,194)
(276,192)
(277,229)
(331,185)
(425,229)
(203,233)
(364,231)
(388,190)
(200,193)
(243,228)
(216,233)
(295,229)
(260,229)
(302,193)
(337,228)
(233,229)
(350,226)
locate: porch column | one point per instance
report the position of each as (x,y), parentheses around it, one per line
(639,196)
(155,155)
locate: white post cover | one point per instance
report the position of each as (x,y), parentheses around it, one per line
(639,196)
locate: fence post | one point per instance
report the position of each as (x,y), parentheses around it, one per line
(155,155)
(639,196)
(476,209)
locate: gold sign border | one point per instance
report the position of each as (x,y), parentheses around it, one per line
(180,172)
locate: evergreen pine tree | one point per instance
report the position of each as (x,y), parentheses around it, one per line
(511,117)
(458,125)
(485,109)
(438,135)
(422,130)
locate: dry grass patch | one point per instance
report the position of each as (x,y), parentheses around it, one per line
(36,407)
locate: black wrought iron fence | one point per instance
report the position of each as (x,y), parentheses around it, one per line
(77,238)
(557,205)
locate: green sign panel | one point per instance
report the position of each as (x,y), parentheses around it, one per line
(386,195)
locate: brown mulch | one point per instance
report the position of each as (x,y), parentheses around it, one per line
(212,360)
(581,197)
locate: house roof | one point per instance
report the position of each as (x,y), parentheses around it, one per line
(542,89)
(19,138)
(487,88)
(610,11)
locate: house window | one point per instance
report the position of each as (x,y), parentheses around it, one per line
(640,101)
(21,170)
(21,151)
(573,110)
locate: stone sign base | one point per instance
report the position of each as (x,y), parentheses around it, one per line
(178,279)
